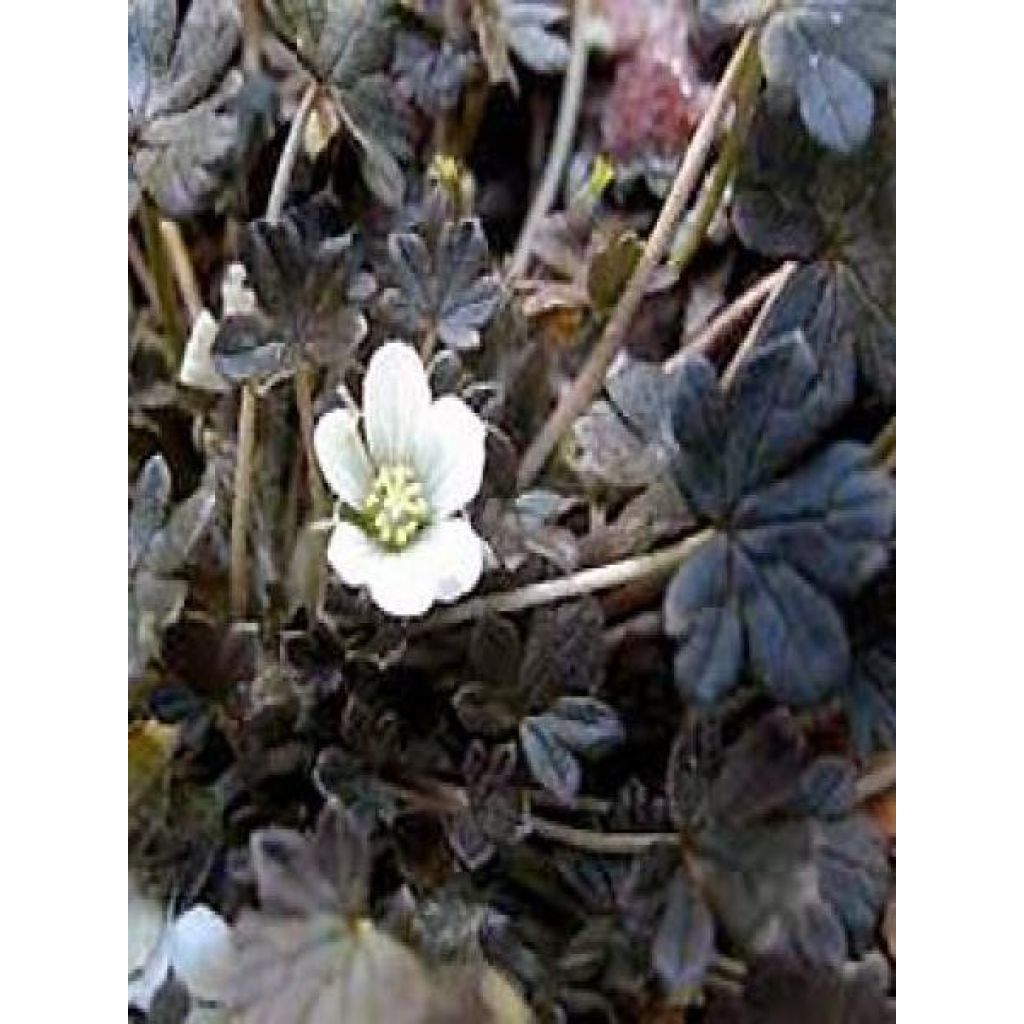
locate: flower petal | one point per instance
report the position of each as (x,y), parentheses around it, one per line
(450,455)
(202,952)
(396,398)
(441,564)
(197,369)
(342,457)
(457,554)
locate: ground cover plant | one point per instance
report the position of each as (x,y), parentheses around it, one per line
(511,589)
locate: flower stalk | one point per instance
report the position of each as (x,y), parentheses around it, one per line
(588,383)
(246,456)
(569,104)
(162,277)
(588,581)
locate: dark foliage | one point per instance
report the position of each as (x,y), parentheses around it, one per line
(633,782)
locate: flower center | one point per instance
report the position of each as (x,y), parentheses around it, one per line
(395,509)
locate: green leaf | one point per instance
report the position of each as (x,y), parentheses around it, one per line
(182,126)
(762,590)
(787,866)
(797,201)
(684,942)
(551,762)
(308,287)
(347,45)
(160,542)
(451,292)
(828,53)
(585,725)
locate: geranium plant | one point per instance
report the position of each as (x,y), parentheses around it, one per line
(511,575)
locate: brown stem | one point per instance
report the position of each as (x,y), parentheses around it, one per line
(244,460)
(289,155)
(565,128)
(727,324)
(619,843)
(587,384)
(779,283)
(879,779)
(181,265)
(137,262)
(587,581)
(157,254)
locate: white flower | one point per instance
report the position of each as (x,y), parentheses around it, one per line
(400,534)
(197,369)
(197,945)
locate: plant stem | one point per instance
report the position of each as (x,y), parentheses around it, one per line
(304,401)
(711,197)
(181,265)
(569,105)
(589,381)
(727,323)
(885,443)
(317,496)
(157,255)
(778,284)
(289,155)
(587,581)
(428,345)
(622,843)
(137,261)
(880,779)
(244,460)
(252,36)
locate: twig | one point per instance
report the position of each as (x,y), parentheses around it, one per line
(727,323)
(624,843)
(565,128)
(587,581)
(304,401)
(885,443)
(290,153)
(252,36)
(711,196)
(317,496)
(137,261)
(880,779)
(181,264)
(640,626)
(246,453)
(161,270)
(244,460)
(778,284)
(589,381)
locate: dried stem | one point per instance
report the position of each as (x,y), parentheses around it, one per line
(721,174)
(623,843)
(137,262)
(565,128)
(885,443)
(727,324)
(778,283)
(589,381)
(244,460)
(587,581)
(317,495)
(252,36)
(161,271)
(181,264)
(289,155)
(879,779)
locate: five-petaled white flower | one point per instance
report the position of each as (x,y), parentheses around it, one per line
(399,532)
